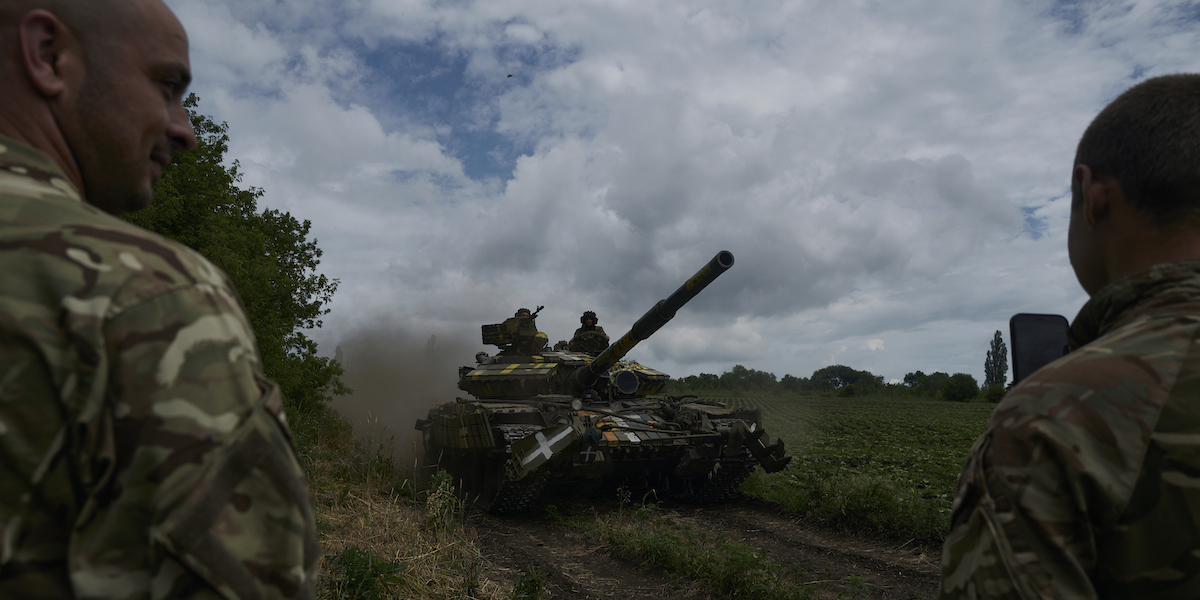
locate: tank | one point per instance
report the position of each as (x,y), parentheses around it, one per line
(541,420)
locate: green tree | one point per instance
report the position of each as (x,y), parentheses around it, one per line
(914,379)
(995,366)
(849,382)
(268,256)
(792,384)
(740,379)
(993,393)
(960,387)
(931,384)
(834,376)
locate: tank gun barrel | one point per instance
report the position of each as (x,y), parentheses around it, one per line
(586,376)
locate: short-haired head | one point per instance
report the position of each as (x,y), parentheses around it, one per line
(100,24)
(1148,139)
(98,85)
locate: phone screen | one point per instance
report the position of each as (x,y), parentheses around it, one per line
(1037,340)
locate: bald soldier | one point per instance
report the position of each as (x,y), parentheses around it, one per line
(142,452)
(1086,483)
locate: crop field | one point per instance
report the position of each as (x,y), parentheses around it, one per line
(883,465)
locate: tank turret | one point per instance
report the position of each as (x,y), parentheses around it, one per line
(542,415)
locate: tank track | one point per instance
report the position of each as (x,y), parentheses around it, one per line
(722,484)
(515,496)
(480,481)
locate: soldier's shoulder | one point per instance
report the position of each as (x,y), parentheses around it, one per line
(27,173)
(85,252)
(1148,350)
(1105,394)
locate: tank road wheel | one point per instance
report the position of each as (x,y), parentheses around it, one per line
(479,480)
(722,482)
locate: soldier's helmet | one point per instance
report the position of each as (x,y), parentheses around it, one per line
(522,312)
(588,315)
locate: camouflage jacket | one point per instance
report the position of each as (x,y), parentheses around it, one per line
(594,345)
(596,328)
(142,452)
(1086,482)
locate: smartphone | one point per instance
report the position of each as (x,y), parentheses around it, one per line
(1037,340)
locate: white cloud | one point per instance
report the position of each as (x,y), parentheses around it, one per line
(867,163)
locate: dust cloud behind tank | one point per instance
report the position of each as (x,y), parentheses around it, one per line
(397,373)
(574,421)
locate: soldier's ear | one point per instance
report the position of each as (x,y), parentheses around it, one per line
(50,52)
(1098,191)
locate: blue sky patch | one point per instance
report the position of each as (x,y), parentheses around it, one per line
(427,83)
(1033,225)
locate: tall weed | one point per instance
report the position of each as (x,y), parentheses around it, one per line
(379,540)
(530,584)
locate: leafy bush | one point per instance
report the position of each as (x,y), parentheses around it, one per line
(994,393)
(960,388)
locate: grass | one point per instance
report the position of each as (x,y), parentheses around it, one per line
(380,537)
(356,574)
(876,465)
(726,567)
(884,466)
(530,585)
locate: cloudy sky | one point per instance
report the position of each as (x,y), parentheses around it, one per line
(891,176)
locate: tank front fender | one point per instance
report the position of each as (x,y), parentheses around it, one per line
(537,451)
(772,457)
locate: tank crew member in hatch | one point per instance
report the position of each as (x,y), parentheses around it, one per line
(590,337)
(522,330)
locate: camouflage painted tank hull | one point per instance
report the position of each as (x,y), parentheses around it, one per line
(503,454)
(573,421)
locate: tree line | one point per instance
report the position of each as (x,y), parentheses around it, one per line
(838,380)
(267,254)
(846,381)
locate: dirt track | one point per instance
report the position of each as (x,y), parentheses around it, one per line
(577,568)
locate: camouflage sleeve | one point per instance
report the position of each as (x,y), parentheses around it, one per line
(996,550)
(199,455)
(1055,467)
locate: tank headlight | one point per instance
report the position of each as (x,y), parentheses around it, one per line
(626,382)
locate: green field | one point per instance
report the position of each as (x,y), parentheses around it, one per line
(879,465)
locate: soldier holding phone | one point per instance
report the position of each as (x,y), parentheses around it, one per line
(1086,483)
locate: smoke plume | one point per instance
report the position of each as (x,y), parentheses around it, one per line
(397,375)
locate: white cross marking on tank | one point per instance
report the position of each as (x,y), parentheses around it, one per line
(588,454)
(543,447)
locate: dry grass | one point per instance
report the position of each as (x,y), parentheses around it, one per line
(414,545)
